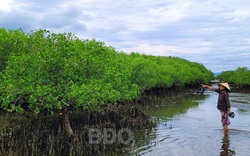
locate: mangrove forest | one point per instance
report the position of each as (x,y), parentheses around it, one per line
(55,87)
(44,71)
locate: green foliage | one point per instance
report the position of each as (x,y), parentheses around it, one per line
(240,76)
(159,71)
(59,70)
(48,71)
(11,41)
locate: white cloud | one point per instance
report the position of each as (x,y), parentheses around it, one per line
(5,5)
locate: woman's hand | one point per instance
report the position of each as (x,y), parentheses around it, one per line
(207,86)
(204,86)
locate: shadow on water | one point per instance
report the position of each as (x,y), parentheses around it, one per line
(225,148)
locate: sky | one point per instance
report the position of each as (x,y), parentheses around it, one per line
(215,33)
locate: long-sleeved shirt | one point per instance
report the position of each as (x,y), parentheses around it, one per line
(223,100)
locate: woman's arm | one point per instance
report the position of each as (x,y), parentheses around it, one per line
(207,86)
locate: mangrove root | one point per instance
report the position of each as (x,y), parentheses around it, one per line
(66,127)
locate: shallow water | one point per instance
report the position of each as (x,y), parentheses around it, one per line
(197,130)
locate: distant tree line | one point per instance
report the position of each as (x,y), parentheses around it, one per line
(240,76)
(48,71)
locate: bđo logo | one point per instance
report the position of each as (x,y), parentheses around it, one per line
(109,136)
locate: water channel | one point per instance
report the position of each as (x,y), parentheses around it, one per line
(193,128)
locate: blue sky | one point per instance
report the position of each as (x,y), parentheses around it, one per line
(214,33)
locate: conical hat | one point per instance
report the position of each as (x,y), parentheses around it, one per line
(225,85)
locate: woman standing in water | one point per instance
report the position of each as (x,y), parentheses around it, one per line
(223,103)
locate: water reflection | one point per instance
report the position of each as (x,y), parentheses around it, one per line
(225,148)
(160,106)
